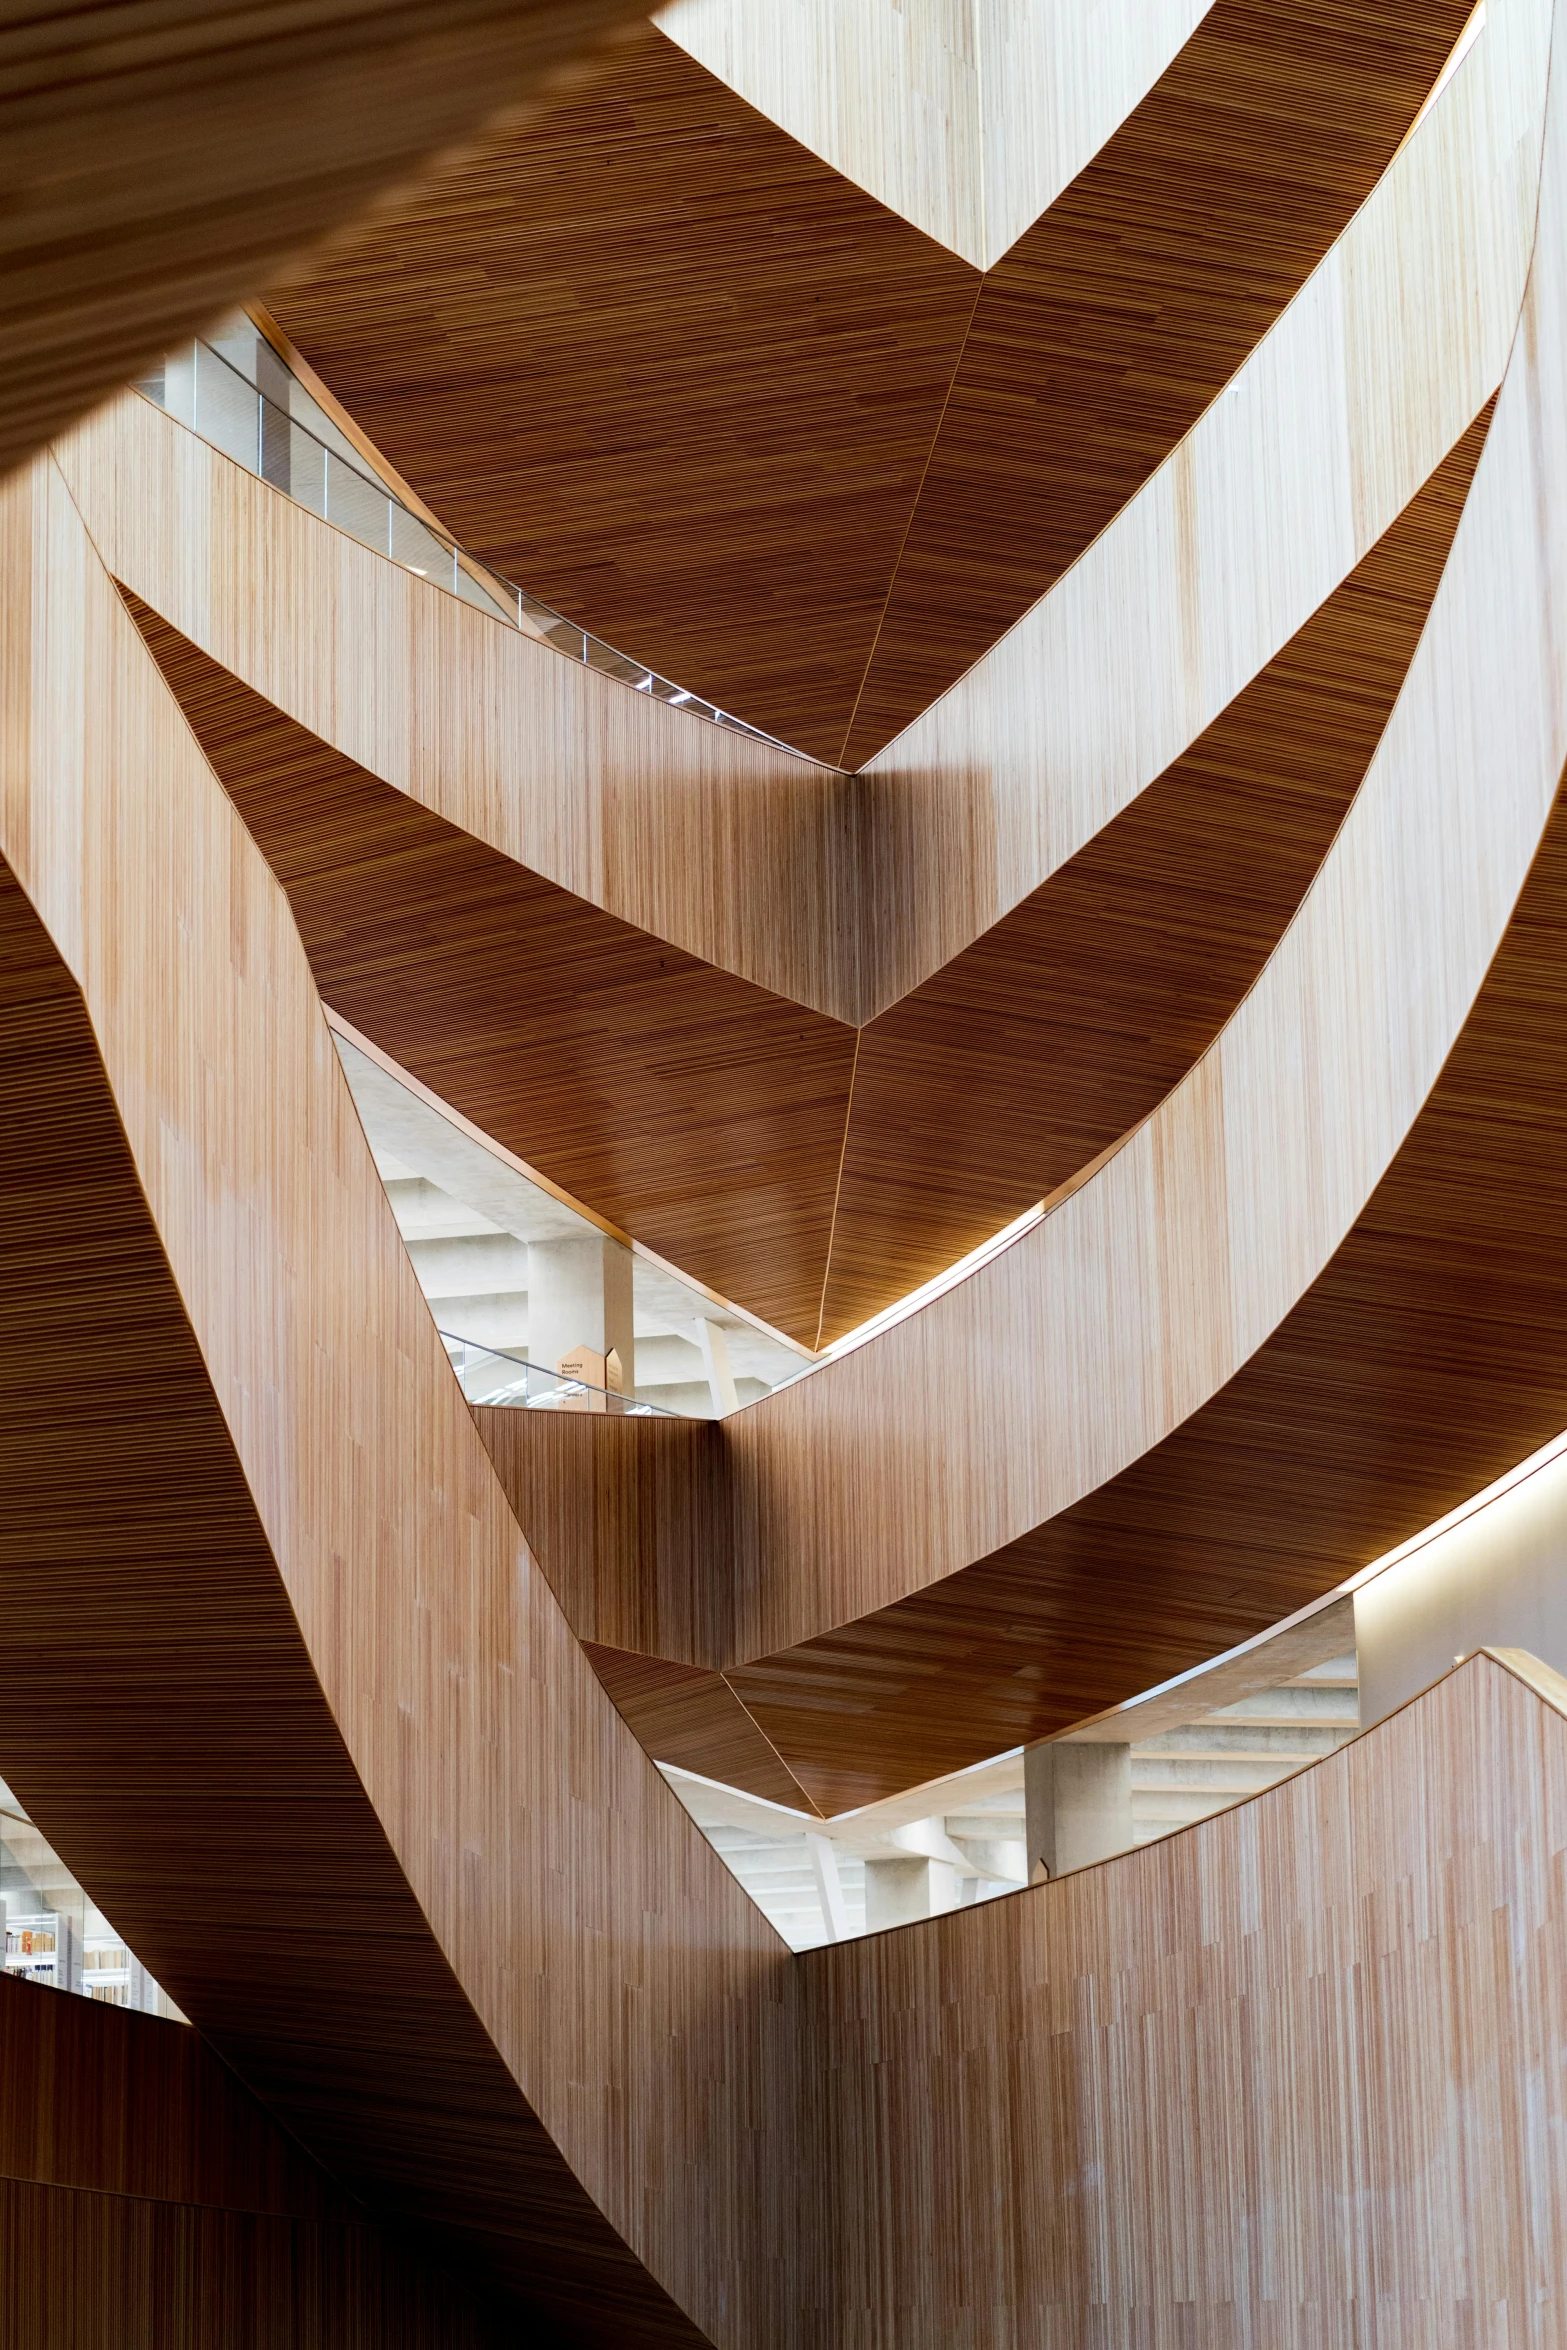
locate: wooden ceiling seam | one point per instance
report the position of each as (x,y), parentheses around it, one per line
(755,547)
(881,617)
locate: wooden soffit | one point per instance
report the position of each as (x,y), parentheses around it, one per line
(660,362)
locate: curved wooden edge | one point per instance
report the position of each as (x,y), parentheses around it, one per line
(277,1650)
(1068,1021)
(761,1159)
(1021,96)
(1281,487)
(825,563)
(756,863)
(151,177)
(1240,1359)
(1115,319)
(1547,1684)
(1145,2096)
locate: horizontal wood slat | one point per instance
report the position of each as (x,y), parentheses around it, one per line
(758,431)
(161,160)
(703,1114)
(1037,1047)
(145,2197)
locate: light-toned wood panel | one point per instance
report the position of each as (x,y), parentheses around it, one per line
(145,2197)
(1318,1290)
(162,160)
(1294,2076)
(1106,330)
(657,361)
(889,96)
(691,1108)
(732,851)
(1311,1303)
(715,1120)
(967,119)
(750,426)
(1064,1024)
(321,1639)
(665,842)
(1283,485)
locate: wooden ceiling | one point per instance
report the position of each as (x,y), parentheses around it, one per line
(700,1112)
(161,159)
(812,1172)
(663,365)
(1065,1023)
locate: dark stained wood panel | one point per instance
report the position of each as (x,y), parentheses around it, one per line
(136,1517)
(700,1112)
(1427,1358)
(1063,1025)
(694,1719)
(1100,338)
(162,159)
(717,1121)
(669,370)
(147,2199)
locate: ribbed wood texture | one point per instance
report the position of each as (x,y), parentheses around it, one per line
(1099,339)
(146,2198)
(317,1632)
(754,438)
(162,159)
(1046,1040)
(697,1111)
(1294,2076)
(845,898)
(1313,1302)
(967,118)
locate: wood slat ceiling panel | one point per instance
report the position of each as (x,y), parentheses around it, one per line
(162,158)
(665,367)
(697,1111)
(1428,1357)
(745,1138)
(1064,1024)
(1100,338)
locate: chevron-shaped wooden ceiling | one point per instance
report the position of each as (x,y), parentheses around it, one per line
(657,360)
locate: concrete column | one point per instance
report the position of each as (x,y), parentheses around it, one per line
(899,1891)
(715,1361)
(579,1294)
(1078,1801)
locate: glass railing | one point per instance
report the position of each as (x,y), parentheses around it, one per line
(489,1375)
(244,400)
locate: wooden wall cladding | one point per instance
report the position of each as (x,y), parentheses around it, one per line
(1041,1044)
(187,154)
(145,2197)
(751,1140)
(1309,1306)
(324,1679)
(719,844)
(1294,2076)
(1312,1303)
(760,432)
(691,1108)
(967,120)
(683,384)
(1283,486)
(1101,336)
